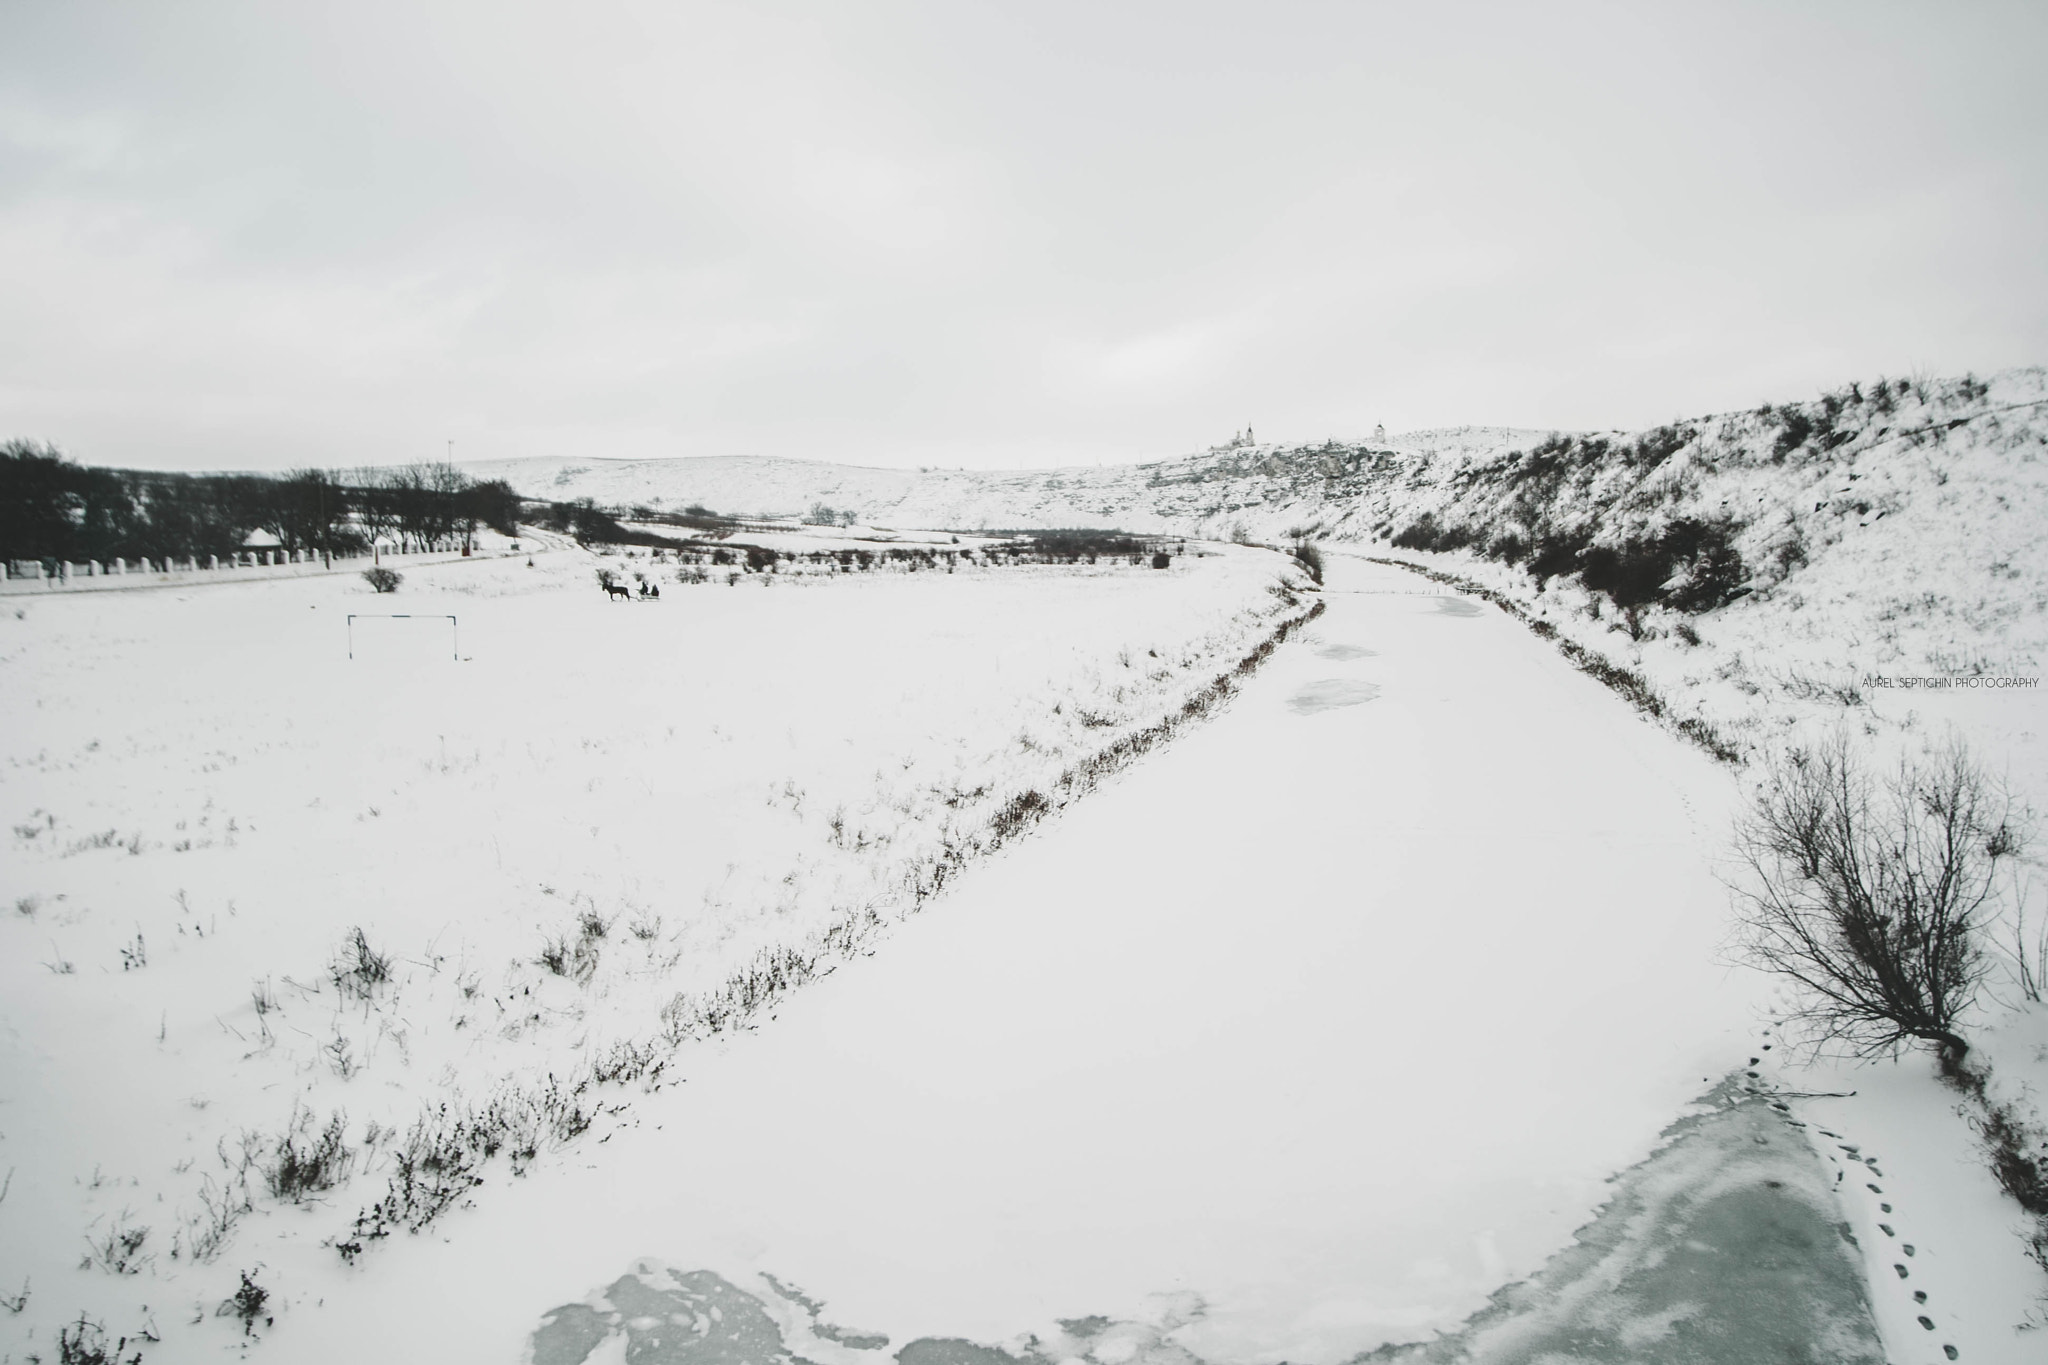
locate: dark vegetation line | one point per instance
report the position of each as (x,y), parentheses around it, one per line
(53,510)
(1599,507)
(1631,685)
(724,545)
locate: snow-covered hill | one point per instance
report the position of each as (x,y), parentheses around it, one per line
(1207,492)
(1789,553)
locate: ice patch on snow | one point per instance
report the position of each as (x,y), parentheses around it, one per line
(1346,653)
(664,1317)
(1456,606)
(1331,693)
(1725,1246)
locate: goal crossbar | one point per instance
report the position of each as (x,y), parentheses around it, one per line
(454,629)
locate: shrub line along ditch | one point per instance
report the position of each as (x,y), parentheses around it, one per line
(438,1162)
(1632,686)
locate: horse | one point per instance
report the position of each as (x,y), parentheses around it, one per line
(617,590)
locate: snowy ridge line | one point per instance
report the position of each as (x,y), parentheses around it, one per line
(437,1164)
(1631,685)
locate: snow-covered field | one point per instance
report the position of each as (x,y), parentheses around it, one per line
(1318,1031)
(257,890)
(1322,1023)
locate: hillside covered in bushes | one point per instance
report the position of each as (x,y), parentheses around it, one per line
(1688,517)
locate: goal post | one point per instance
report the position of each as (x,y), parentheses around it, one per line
(454,637)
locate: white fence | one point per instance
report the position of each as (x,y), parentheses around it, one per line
(19,577)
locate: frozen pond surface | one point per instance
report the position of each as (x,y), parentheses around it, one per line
(1723,1248)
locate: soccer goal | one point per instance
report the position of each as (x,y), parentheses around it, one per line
(401,635)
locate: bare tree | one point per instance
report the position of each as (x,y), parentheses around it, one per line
(1873,895)
(444,487)
(411,504)
(376,506)
(2028,952)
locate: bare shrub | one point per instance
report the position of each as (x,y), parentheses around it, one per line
(1310,556)
(1872,895)
(438,1164)
(2028,951)
(359,969)
(773,974)
(85,1343)
(2020,1172)
(382,579)
(206,1234)
(118,1250)
(247,1304)
(574,958)
(304,1162)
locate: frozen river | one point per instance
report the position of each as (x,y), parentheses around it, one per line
(1304,1036)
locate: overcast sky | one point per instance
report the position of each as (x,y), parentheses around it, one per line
(275,234)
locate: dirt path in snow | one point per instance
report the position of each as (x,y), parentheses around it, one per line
(1303,1037)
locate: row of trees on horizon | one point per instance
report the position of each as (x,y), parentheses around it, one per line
(54,509)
